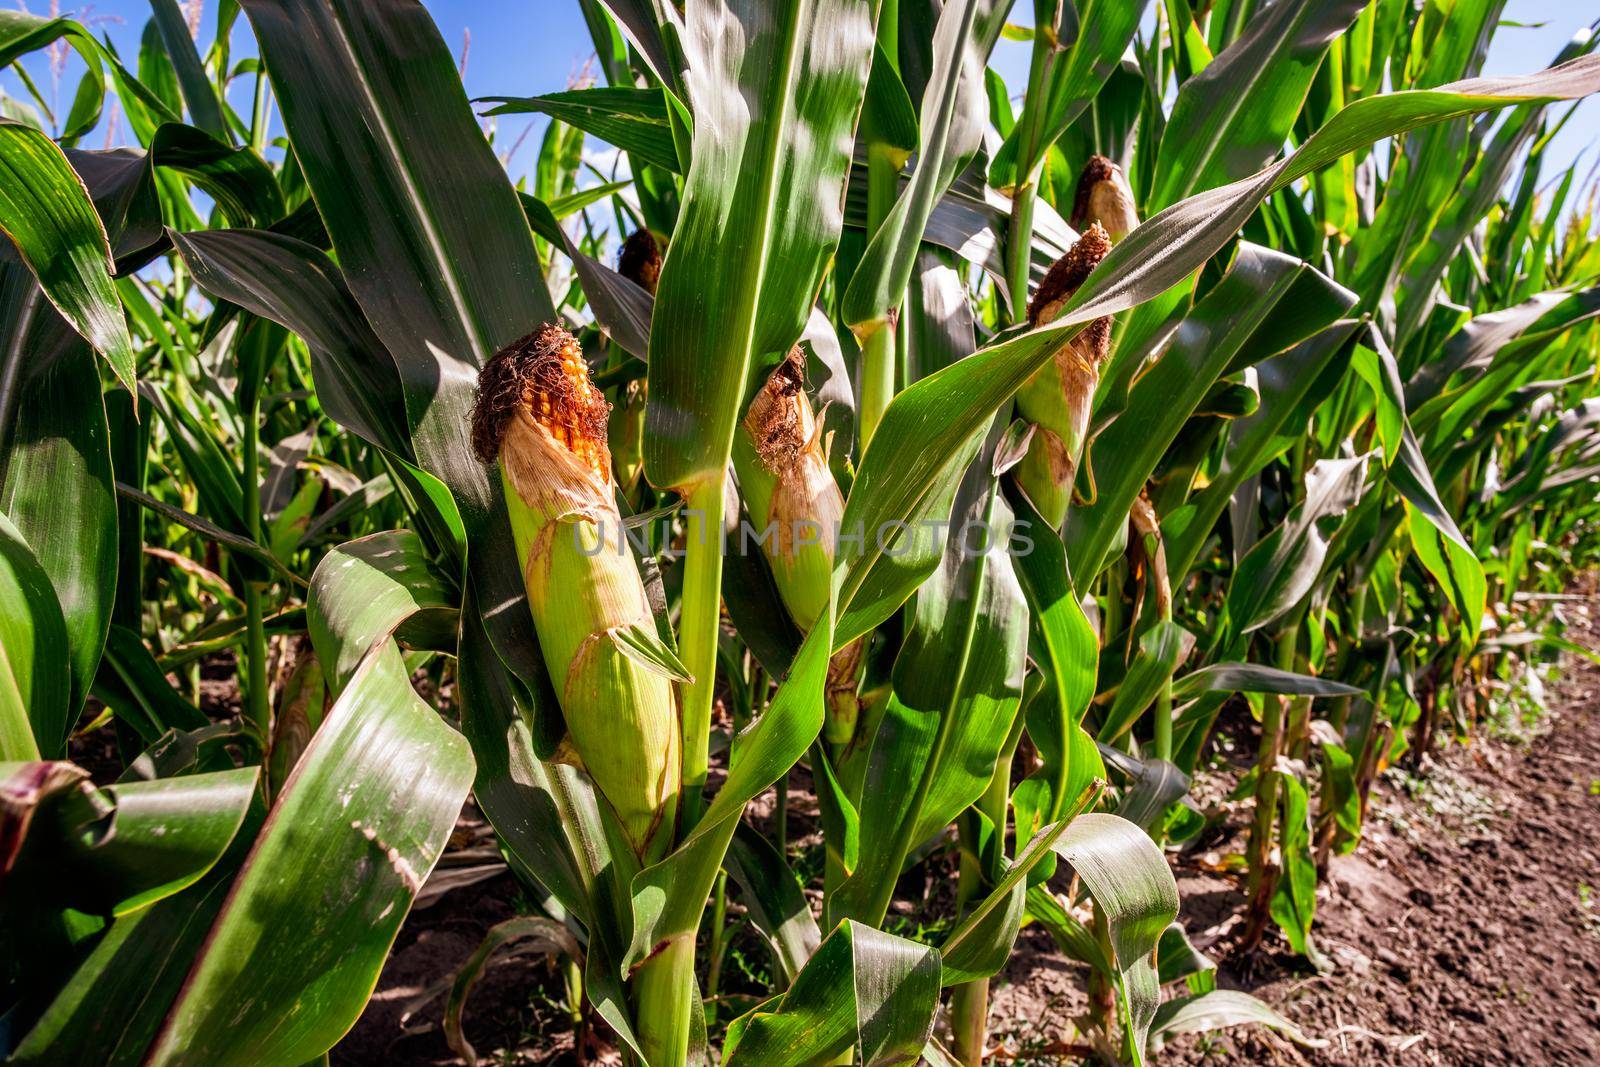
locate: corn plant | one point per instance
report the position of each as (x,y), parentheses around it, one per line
(966,449)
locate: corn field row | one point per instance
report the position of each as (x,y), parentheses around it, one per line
(960,453)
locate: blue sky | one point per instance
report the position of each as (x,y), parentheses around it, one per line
(522,48)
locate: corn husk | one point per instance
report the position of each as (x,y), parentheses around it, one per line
(1152,553)
(1058,399)
(796,507)
(842,710)
(540,416)
(793,501)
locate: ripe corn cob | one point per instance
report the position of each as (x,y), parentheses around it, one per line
(789,490)
(1059,396)
(796,506)
(540,416)
(1104,197)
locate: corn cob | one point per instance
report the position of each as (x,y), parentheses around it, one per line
(540,416)
(1059,396)
(796,507)
(789,490)
(1104,197)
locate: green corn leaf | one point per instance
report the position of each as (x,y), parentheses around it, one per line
(1128,879)
(1161,649)
(149,951)
(377,792)
(1425,179)
(240,181)
(772,893)
(634,120)
(298,287)
(135,688)
(969,623)
(33,644)
(957,686)
(209,530)
(1256,678)
(1149,787)
(1217,1010)
(55,475)
(1290,385)
(1071,936)
(621,308)
(197,89)
(45,211)
(1282,567)
(645,647)
(1067,77)
(971,219)
(1231,118)
(21,33)
(1265,303)
(364,591)
(1177,959)
(1439,543)
(572,203)
(952,117)
(1487,339)
(128,845)
(1295,900)
(1071,650)
(981,943)
(897,551)
(861,989)
(772,128)
(1444,551)
(1441,419)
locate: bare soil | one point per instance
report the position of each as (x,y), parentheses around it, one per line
(1466,927)
(1464,930)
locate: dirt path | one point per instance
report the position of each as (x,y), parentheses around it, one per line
(1466,928)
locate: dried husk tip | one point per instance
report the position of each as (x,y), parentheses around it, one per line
(1151,552)
(1059,397)
(1104,198)
(539,414)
